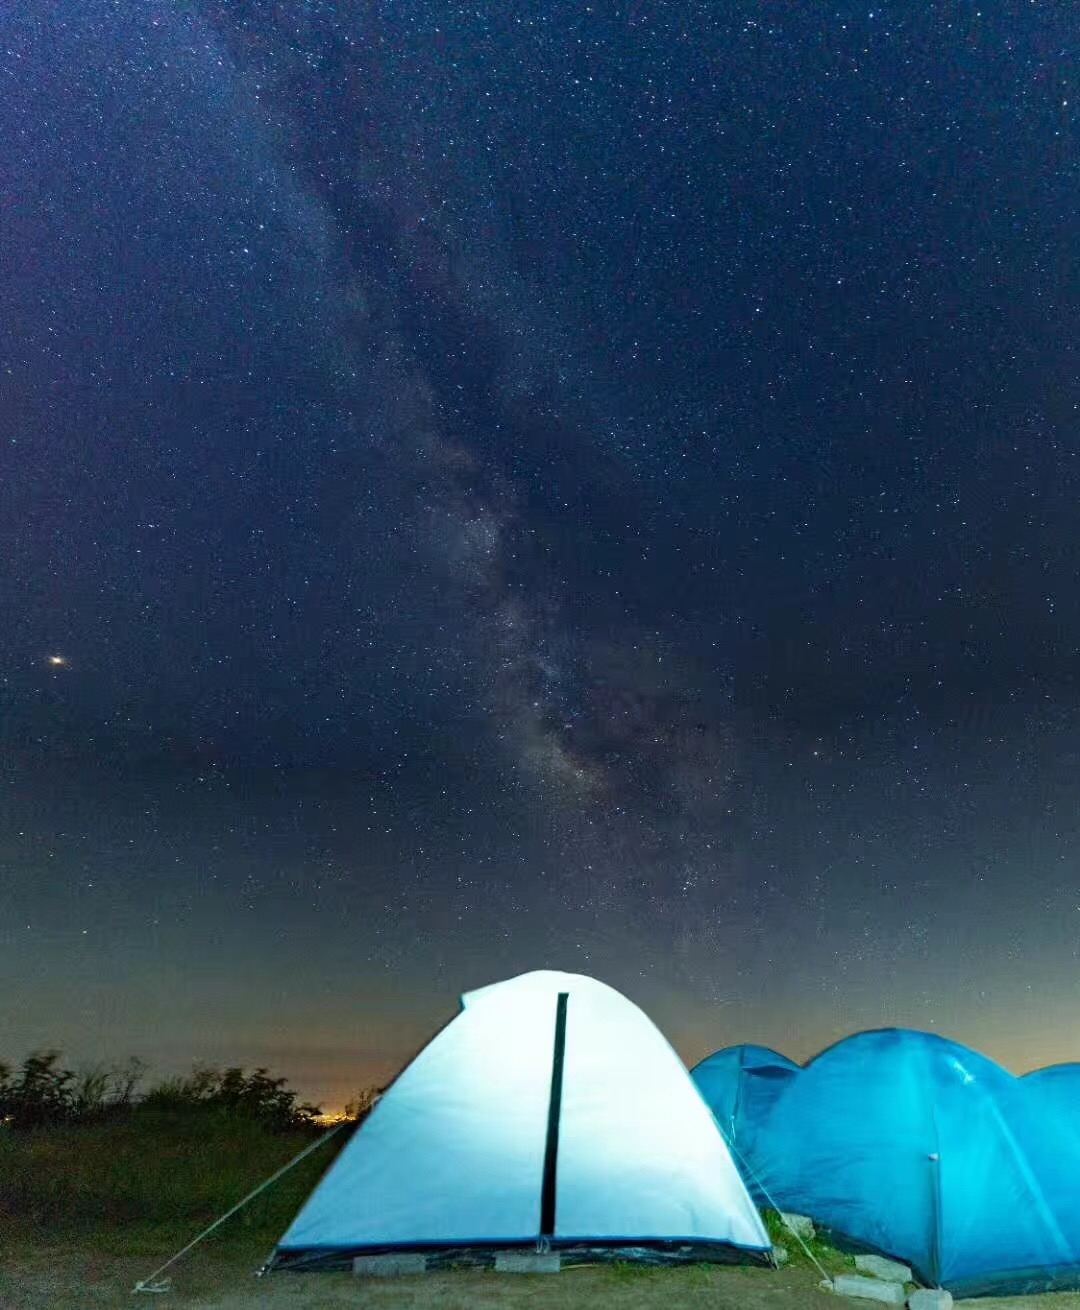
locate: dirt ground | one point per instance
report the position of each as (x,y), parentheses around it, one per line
(59,1278)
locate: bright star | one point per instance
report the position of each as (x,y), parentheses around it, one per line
(57,661)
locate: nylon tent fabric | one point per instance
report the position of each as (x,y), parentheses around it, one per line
(1059,1086)
(739,1082)
(453,1155)
(915,1146)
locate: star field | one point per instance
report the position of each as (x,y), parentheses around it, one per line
(586,486)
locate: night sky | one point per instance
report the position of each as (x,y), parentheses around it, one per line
(551,484)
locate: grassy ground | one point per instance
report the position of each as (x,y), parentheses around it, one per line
(219,1276)
(87,1212)
(171,1170)
(222,1280)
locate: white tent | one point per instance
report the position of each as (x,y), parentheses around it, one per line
(550,1111)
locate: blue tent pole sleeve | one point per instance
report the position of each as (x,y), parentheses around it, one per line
(551,1149)
(735,1107)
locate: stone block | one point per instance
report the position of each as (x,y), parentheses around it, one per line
(800,1224)
(930,1298)
(397,1264)
(781,1254)
(869,1289)
(877,1266)
(527,1262)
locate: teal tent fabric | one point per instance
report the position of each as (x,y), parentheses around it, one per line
(739,1085)
(739,1082)
(920,1148)
(1058,1086)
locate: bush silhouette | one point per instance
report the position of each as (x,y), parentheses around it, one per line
(42,1094)
(254,1096)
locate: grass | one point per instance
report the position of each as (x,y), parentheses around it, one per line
(804,1254)
(150,1172)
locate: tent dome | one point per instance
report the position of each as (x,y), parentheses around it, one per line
(1057,1087)
(550,1109)
(738,1081)
(1061,1082)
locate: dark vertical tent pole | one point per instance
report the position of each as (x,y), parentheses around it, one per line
(935,1211)
(551,1150)
(935,1201)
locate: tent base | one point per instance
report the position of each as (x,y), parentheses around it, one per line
(1015,1282)
(1004,1282)
(483,1255)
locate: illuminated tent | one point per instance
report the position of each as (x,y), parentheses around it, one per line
(550,1111)
(919,1148)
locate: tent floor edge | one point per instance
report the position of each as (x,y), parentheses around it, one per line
(1015,1282)
(437,1256)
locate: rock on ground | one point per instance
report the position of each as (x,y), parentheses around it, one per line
(930,1298)
(870,1289)
(879,1267)
(800,1224)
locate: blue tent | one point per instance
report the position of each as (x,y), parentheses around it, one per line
(739,1085)
(740,1082)
(922,1149)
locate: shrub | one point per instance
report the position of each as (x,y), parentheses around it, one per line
(363,1103)
(232,1092)
(42,1094)
(100,1091)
